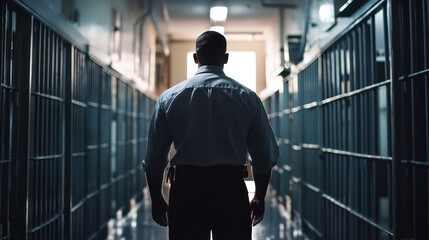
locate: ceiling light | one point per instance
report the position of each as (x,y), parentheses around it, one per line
(326,13)
(218,13)
(219,29)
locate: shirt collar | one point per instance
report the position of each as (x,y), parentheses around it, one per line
(210,68)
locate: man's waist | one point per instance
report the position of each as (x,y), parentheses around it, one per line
(198,172)
(198,160)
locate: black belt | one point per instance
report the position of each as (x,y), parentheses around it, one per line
(189,171)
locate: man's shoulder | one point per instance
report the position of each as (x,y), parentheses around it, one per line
(173,90)
(203,82)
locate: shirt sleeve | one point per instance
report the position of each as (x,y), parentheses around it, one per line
(261,143)
(159,142)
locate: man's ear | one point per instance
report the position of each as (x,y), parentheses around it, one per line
(195,58)
(225,58)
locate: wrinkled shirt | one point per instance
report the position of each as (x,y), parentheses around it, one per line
(211,119)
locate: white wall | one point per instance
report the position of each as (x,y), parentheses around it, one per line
(138,38)
(179,51)
(94,28)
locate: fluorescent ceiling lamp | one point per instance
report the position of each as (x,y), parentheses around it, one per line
(326,13)
(218,13)
(219,29)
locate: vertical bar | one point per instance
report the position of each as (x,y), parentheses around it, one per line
(411,69)
(23,38)
(7,131)
(70,80)
(400,205)
(425,13)
(4,166)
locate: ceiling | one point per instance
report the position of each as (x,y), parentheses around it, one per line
(189,18)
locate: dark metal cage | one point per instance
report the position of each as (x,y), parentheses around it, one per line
(73,133)
(354,130)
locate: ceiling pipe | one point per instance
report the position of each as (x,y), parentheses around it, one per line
(140,22)
(282,37)
(159,15)
(267,3)
(307,23)
(284,69)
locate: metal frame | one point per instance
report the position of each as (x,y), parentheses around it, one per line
(20,74)
(410,91)
(46,145)
(58,158)
(355,130)
(8,119)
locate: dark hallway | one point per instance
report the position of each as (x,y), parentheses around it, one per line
(347,98)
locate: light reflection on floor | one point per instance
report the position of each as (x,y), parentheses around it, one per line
(138,224)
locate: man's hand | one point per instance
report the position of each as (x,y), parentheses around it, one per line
(257,209)
(159,211)
(257,205)
(159,205)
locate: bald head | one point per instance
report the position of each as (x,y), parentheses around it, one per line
(211,49)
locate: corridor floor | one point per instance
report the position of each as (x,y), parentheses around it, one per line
(138,224)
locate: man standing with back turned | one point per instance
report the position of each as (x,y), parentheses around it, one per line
(213,122)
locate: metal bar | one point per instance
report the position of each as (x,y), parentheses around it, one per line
(6,124)
(425,10)
(358,155)
(355,92)
(46,157)
(18,216)
(79,104)
(51,220)
(414,76)
(7,87)
(400,227)
(70,78)
(409,69)
(416,163)
(313,228)
(358,215)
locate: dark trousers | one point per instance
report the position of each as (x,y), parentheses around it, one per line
(204,199)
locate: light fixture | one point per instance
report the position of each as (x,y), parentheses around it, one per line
(219,29)
(218,13)
(326,13)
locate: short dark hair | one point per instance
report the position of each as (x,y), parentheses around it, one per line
(211,48)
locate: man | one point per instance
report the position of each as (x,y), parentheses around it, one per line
(213,122)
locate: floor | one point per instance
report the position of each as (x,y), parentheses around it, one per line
(138,224)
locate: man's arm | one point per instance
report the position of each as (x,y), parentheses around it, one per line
(159,205)
(158,146)
(257,205)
